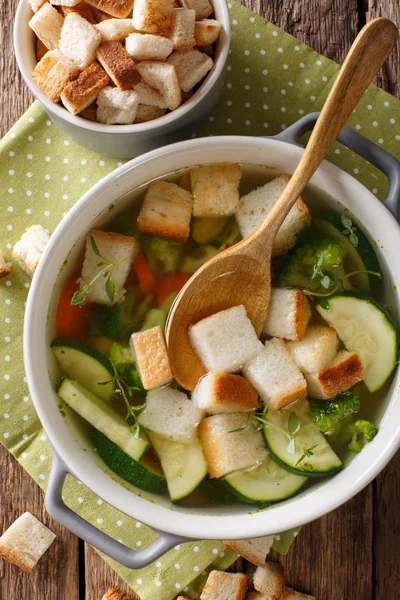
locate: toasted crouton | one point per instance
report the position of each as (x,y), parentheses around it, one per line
(29,249)
(153,16)
(116,594)
(81,92)
(115,30)
(215,190)
(202,7)
(36,4)
(82,9)
(270,580)
(290,594)
(117,107)
(316,350)
(256,596)
(206,32)
(79,40)
(166,211)
(68,3)
(225,586)
(226,340)
(148,113)
(151,357)
(182,598)
(116,8)
(172,415)
(4,268)
(25,542)
(118,65)
(224,393)
(341,374)
(288,314)
(99,16)
(191,66)
(41,50)
(149,96)
(162,77)
(47,24)
(145,46)
(112,246)
(59,77)
(255,551)
(182,30)
(276,376)
(253,208)
(90,112)
(44,66)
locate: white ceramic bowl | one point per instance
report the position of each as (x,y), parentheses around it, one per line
(107,198)
(127,141)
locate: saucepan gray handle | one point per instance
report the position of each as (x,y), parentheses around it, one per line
(356,142)
(100,540)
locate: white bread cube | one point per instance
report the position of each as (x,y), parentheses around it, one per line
(270,580)
(226,340)
(29,249)
(149,96)
(224,393)
(145,46)
(116,8)
(118,65)
(112,246)
(255,551)
(117,107)
(115,30)
(83,91)
(148,113)
(316,350)
(79,40)
(153,16)
(227,450)
(166,211)
(69,3)
(342,373)
(206,32)
(276,376)
(182,32)
(172,415)
(47,24)
(5,270)
(290,594)
(253,208)
(163,77)
(58,78)
(202,8)
(288,314)
(191,66)
(215,190)
(151,357)
(25,542)
(225,586)
(36,4)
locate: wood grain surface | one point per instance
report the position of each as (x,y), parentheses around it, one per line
(351,554)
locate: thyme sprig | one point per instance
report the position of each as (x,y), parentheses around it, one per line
(337,283)
(349,230)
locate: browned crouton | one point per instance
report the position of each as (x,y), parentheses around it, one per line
(83,91)
(225,586)
(341,374)
(118,65)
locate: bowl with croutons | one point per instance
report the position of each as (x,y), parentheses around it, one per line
(283,427)
(119,77)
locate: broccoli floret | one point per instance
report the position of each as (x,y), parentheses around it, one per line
(158,316)
(126,224)
(120,357)
(363,432)
(327,414)
(328,247)
(108,321)
(162,255)
(121,320)
(201,255)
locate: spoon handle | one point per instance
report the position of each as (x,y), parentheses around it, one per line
(367,54)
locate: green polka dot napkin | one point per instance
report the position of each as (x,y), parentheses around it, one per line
(271,81)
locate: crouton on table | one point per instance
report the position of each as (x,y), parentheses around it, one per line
(47,24)
(255,551)
(162,77)
(290,594)
(117,107)
(227,450)
(151,357)
(316,350)
(172,415)
(153,16)
(29,249)
(182,31)
(276,376)
(115,8)
(202,8)
(288,314)
(4,268)
(206,32)
(118,65)
(25,542)
(226,340)
(224,393)
(270,580)
(146,46)
(115,30)
(116,594)
(81,92)
(225,586)
(215,190)
(79,40)
(166,211)
(114,247)
(342,373)
(191,66)
(254,206)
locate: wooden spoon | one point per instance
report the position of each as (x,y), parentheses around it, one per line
(242,274)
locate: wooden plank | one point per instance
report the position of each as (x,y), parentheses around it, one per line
(100,576)
(56,576)
(388,77)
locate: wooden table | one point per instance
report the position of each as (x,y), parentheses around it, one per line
(351,554)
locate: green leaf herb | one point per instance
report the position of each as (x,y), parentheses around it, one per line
(110,289)
(293,423)
(307,453)
(349,230)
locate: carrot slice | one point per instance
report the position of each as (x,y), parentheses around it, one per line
(146,280)
(71,321)
(169,284)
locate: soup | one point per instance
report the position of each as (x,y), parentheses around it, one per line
(273,413)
